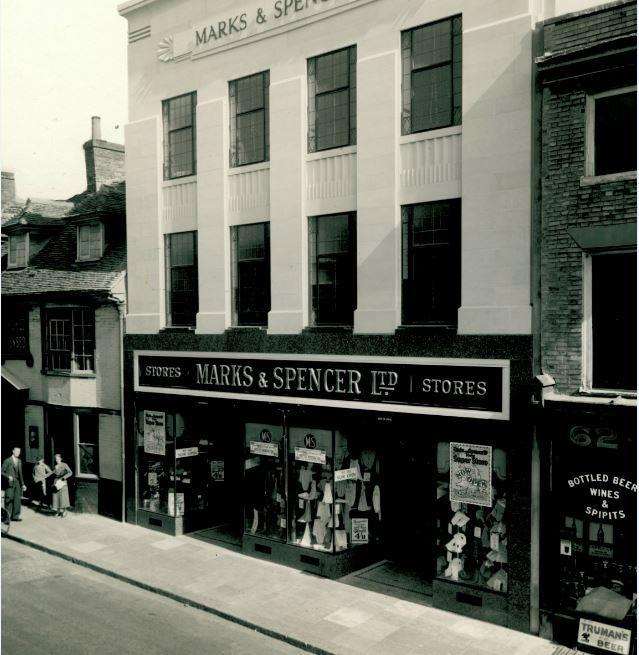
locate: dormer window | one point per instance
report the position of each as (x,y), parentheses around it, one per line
(90,241)
(18,250)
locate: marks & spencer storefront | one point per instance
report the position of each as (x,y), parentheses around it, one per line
(334,463)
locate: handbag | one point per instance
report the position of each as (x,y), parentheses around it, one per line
(59,484)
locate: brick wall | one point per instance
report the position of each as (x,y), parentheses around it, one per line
(104,163)
(567,204)
(585,28)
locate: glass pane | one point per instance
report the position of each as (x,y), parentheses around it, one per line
(332,234)
(332,120)
(17,249)
(252,292)
(431,224)
(181,152)
(431,44)
(182,249)
(311,498)
(180,112)
(265,481)
(614,321)
(88,429)
(431,103)
(471,519)
(251,243)
(156,462)
(616,133)
(249,93)
(332,71)
(88,463)
(250,138)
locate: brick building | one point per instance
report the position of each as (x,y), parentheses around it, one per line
(586,352)
(63,294)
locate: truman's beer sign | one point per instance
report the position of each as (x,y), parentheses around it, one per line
(457,387)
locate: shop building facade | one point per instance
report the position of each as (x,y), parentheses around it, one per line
(328,346)
(586,419)
(63,294)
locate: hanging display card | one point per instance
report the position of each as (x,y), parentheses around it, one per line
(217,470)
(471,474)
(345,474)
(152,479)
(310,455)
(175,504)
(186,452)
(154,432)
(605,637)
(263,448)
(359,531)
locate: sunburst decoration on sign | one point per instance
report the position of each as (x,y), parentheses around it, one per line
(165,49)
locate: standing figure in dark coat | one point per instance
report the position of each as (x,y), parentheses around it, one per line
(12,474)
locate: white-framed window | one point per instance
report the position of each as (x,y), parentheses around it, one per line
(69,345)
(611,132)
(90,241)
(86,427)
(18,250)
(609,334)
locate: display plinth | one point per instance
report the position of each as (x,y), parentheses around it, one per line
(328,565)
(472,601)
(173,525)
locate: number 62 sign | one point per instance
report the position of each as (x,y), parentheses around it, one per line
(593,437)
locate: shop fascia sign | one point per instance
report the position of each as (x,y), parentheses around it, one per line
(255,20)
(418,385)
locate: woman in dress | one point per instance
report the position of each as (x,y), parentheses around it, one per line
(40,474)
(60,488)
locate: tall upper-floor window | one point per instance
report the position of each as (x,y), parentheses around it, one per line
(90,238)
(333,280)
(69,344)
(431,265)
(249,100)
(18,250)
(251,274)
(613,299)
(612,132)
(181,279)
(332,100)
(432,76)
(178,119)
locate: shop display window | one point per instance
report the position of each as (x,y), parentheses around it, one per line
(472,525)
(265,481)
(177,463)
(334,491)
(595,488)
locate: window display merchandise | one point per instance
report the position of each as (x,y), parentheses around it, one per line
(334,491)
(471,515)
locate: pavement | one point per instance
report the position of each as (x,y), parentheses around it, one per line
(322,616)
(50,605)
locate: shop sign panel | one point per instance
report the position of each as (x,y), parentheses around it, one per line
(605,637)
(263,448)
(359,531)
(471,474)
(310,455)
(186,452)
(451,387)
(341,475)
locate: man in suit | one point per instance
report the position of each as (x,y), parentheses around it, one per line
(12,473)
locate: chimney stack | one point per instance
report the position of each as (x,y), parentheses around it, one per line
(96,132)
(8,189)
(104,160)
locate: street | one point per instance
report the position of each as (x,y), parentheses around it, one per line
(50,605)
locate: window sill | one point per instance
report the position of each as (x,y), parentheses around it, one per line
(87,477)
(239,328)
(249,168)
(16,267)
(427,328)
(69,374)
(607,393)
(178,328)
(177,181)
(328,329)
(591,180)
(430,134)
(331,152)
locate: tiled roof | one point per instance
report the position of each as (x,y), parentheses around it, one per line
(109,199)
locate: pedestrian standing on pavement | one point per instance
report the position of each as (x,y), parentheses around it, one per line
(40,474)
(12,474)
(60,490)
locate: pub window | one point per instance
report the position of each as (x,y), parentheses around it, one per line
(18,250)
(15,332)
(69,340)
(332,100)
(87,444)
(90,238)
(432,76)
(249,102)
(181,279)
(178,118)
(613,349)
(431,280)
(332,269)
(251,273)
